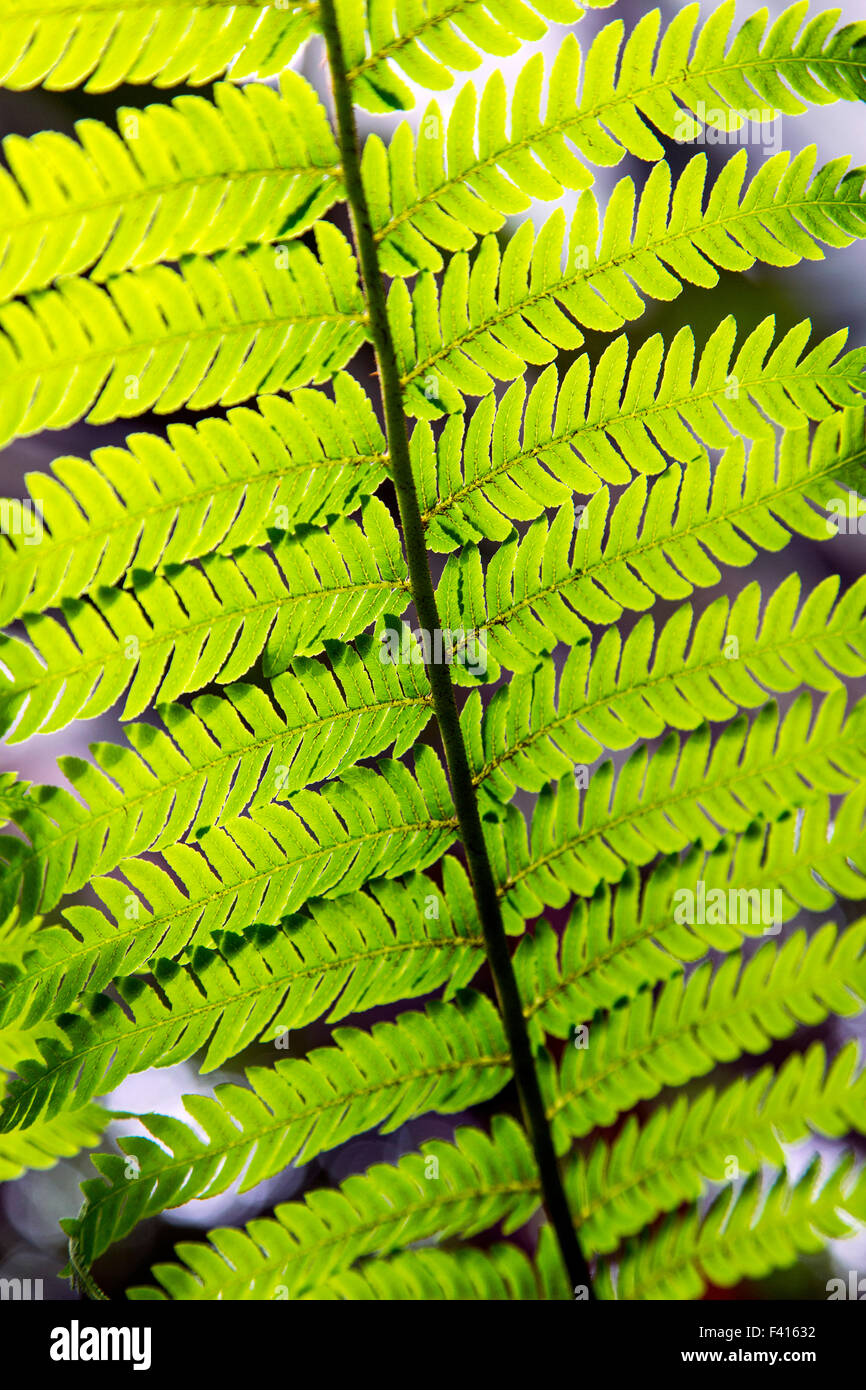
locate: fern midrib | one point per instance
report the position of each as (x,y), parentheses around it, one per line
(767,769)
(686,671)
(778,989)
(596,114)
(128,803)
(651,247)
(465,800)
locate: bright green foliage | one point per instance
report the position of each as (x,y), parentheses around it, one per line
(500,150)
(43,1144)
(190,177)
(751,1232)
(599,427)
(215,332)
(533,299)
(271,843)
(143,639)
(483,1180)
(61,45)
(713,1017)
(218,487)
(655,1167)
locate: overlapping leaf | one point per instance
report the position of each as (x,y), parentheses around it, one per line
(534,299)
(500,151)
(526,453)
(198,623)
(215,331)
(196,176)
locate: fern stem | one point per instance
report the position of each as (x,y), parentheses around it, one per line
(439,674)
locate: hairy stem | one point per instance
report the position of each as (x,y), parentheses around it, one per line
(439,674)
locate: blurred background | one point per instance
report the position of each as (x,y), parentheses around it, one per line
(831,294)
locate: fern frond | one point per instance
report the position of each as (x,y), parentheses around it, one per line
(744,1234)
(459,181)
(481,1181)
(603,425)
(428,41)
(57,45)
(218,487)
(201,622)
(664,1163)
(622,690)
(264,865)
(714,1016)
(619,942)
(207,765)
(658,540)
(525,304)
(689,790)
(197,176)
(461,1273)
(50,1140)
(359,949)
(451,1056)
(213,332)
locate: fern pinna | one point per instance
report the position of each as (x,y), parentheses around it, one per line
(401,729)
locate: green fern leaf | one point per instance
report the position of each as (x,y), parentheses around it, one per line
(219,487)
(190,177)
(482,1181)
(58,45)
(688,790)
(522,306)
(642,1046)
(746,1233)
(659,540)
(144,641)
(453,1055)
(261,866)
(428,43)
(46,1143)
(621,691)
(214,332)
(619,941)
(459,182)
(356,948)
(658,1166)
(462,1274)
(211,763)
(637,417)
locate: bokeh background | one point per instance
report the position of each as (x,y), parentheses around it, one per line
(832,293)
